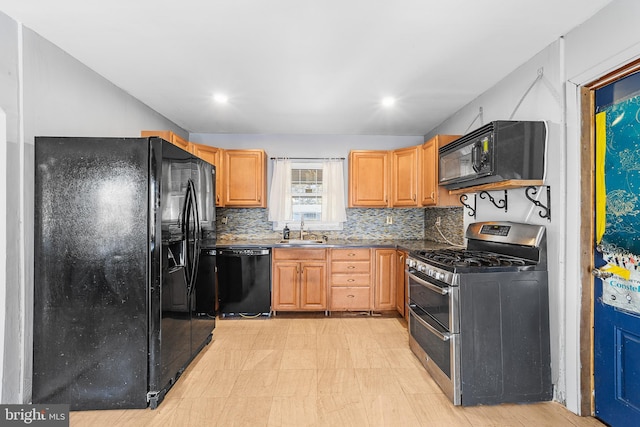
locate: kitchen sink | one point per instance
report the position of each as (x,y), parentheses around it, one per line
(300,242)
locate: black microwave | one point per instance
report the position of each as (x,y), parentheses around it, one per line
(498,151)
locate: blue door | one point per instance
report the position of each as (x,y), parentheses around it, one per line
(617,254)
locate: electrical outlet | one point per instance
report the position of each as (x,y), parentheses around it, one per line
(438,222)
(389,219)
(225,219)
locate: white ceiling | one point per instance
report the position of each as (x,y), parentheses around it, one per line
(303,66)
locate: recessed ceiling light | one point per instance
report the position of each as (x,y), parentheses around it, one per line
(220,98)
(388,101)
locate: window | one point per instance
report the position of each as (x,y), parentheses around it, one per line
(312,192)
(306,192)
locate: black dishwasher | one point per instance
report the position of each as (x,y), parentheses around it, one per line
(244,281)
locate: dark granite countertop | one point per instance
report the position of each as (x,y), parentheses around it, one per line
(336,243)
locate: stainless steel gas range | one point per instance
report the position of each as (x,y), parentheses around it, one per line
(479,316)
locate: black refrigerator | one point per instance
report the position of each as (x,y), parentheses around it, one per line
(123,298)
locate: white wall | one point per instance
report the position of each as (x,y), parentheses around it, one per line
(3,238)
(11,288)
(605,42)
(63,97)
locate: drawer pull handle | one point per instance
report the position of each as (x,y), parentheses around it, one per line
(351,280)
(351,267)
(351,296)
(352,254)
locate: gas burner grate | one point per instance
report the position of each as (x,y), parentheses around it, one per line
(467,258)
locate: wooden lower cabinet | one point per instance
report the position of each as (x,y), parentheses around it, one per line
(299,279)
(350,298)
(385,279)
(350,280)
(358,279)
(286,285)
(313,285)
(402,293)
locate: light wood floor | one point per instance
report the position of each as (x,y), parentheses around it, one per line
(289,370)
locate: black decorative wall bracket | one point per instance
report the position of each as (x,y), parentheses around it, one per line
(500,204)
(545,211)
(472,210)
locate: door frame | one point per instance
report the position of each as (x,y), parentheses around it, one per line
(587,231)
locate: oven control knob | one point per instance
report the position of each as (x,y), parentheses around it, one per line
(411,263)
(422,268)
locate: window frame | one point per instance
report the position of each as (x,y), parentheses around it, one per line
(309,225)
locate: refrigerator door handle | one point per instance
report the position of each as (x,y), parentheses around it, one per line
(196,234)
(185,232)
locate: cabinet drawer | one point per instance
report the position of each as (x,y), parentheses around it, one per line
(350,280)
(350,298)
(299,254)
(358,254)
(351,267)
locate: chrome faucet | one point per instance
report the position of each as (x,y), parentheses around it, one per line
(301,229)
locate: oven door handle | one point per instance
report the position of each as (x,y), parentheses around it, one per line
(434,331)
(430,286)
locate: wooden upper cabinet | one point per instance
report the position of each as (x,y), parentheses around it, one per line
(405,165)
(215,156)
(245,178)
(368,178)
(167,135)
(429,179)
(432,193)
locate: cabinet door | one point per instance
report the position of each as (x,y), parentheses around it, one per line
(167,135)
(368,178)
(432,193)
(313,286)
(430,172)
(401,285)
(213,155)
(285,285)
(180,142)
(385,280)
(245,178)
(404,176)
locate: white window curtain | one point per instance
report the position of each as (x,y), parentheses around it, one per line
(333,209)
(280,193)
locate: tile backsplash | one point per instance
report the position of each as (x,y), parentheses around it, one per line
(451,228)
(411,224)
